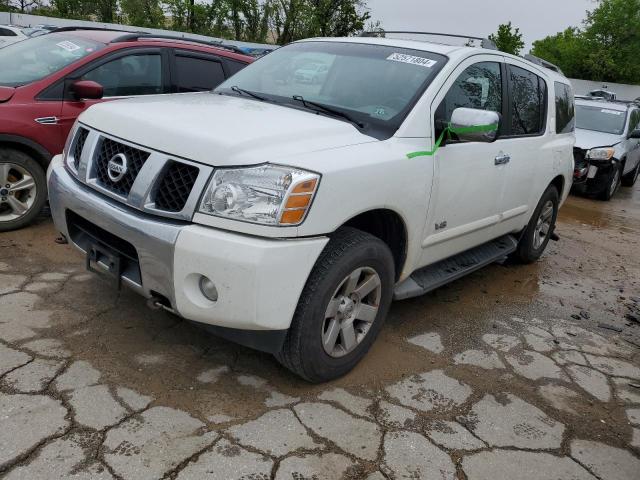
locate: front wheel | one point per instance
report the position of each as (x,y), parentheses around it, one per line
(629,180)
(614,183)
(541,226)
(342,307)
(23,189)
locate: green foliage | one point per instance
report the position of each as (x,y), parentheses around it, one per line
(262,21)
(606,49)
(508,39)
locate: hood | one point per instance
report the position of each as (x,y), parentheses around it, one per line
(586,139)
(6,93)
(221,130)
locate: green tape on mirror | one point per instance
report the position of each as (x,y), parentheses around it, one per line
(457,131)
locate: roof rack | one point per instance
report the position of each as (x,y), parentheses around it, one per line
(128,37)
(484,42)
(79,27)
(543,63)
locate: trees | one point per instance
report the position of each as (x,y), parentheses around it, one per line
(260,21)
(508,39)
(606,49)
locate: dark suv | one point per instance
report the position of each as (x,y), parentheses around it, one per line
(46,82)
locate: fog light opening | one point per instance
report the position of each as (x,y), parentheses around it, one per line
(208,289)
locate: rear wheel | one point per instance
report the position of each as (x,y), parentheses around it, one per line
(342,307)
(541,226)
(614,183)
(23,189)
(629,180)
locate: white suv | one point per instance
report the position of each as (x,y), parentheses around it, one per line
(288,214)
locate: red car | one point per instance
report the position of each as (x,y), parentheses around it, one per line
(46,82)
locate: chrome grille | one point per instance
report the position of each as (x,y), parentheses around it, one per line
(78,145)
(175,186)
(153,182)
(136,159)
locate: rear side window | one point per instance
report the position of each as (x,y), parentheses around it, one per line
(196,74)
(565,108)
(527,103)
(7,33)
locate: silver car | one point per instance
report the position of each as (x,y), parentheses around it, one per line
(607,151)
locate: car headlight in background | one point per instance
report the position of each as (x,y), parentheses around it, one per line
(267,194)
(600,153)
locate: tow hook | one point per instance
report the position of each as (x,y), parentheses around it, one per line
(554,236)
(159,303)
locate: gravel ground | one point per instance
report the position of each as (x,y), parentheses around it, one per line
(527,372)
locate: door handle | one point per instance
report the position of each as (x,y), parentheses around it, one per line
(502,159)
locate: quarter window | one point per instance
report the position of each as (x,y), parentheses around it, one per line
(4,32)
(527,102)
(479,87)
(198,74)
(565,108)
(129,76)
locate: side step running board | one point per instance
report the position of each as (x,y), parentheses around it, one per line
(445,271)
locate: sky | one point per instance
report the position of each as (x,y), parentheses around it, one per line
(535,18)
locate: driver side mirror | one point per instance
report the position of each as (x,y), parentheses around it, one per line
(634,134)
(475,125)
(87,90)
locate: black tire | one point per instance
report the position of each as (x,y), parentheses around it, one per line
(527,251)
(348,250)
(613,184)
(35,170)
(629,180)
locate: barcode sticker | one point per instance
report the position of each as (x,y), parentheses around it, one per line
(68,46)
(412,60)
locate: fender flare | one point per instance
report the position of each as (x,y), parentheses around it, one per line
(44,156)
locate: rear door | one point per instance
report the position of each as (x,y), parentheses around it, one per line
(124,74)
(524,143)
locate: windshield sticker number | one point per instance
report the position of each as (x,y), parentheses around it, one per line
(611,112)
(410,59)
(68,46)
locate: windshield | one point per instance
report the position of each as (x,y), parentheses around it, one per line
(36,58)
(375,85)
(600,119)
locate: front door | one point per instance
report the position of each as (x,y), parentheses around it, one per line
(125,74)
(468,179)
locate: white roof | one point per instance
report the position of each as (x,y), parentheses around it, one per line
(394,42)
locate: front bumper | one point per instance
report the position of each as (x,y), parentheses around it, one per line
(259,281)
(593,183)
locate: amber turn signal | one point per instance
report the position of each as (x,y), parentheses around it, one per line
(292,216)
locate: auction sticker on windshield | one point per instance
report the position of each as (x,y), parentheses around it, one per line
(68,46)
(420,61)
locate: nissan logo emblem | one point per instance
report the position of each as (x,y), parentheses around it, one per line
(117,167)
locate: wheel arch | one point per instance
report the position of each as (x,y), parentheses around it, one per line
(388,226)
(559,182)
(27,146)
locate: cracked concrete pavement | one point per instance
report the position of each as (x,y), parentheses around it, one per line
(528,372)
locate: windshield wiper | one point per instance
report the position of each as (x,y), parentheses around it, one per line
(318,107)
(237,89)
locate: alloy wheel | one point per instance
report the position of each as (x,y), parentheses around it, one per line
(17,191)
(543,225)
(351,312)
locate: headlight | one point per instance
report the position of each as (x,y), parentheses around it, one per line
(268,194)
(600,154)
